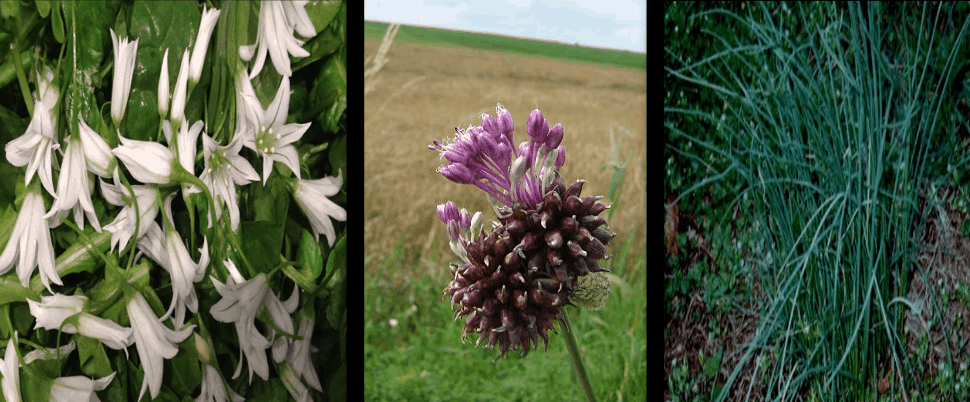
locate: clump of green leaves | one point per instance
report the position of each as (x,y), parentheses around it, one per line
(831,126)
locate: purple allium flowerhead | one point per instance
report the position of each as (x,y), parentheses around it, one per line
(511,284)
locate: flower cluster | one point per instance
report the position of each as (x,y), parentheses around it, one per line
(140,179)
(512,283)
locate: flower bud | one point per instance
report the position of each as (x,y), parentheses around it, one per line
(505,121)
(178,98)
(163,93)
(208,23)
(100,160)
(490,124)
(458,173)
(125,53)
(555,136)
(537,127)
(149,162)
(447,212)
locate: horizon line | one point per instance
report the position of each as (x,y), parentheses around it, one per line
(512,36)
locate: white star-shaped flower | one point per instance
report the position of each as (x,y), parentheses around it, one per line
(274,138)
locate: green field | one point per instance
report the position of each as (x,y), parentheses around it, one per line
(487,42)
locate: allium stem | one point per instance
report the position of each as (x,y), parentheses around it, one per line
(577,359)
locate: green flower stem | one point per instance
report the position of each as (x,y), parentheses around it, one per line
(10,69)
(19,67)
(577,359)
(180,175)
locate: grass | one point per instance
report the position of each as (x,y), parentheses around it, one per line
(831,130)
(497,43)
(422,358)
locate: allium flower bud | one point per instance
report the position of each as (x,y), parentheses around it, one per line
(447,212)
(555,136)
(457,173)
(537,127)
(505,121)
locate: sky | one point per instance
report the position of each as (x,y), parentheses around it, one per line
(602,23)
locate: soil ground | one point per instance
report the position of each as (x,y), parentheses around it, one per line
(424,92)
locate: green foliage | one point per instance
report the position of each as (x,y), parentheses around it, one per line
(72,39)
(829,119)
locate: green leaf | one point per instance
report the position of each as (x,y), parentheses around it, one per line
(23,321)
(118,388)
(322,13)
(310,255)
(329,36)
(38,383)
(57,24)
(94,360)
(6,326)
(7,222)
(137,375)
(263,241)
(43,7)
(9,9)
(712,365)
(338,157)
(270,391)
(329,94)
(260,244)
(158,25)
(338,384)
(83,61)
(271,201)
(337,266)
(186,369)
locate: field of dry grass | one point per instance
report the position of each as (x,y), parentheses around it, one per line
(424,92)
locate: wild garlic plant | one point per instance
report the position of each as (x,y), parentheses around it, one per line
(152,246)
(512,284)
